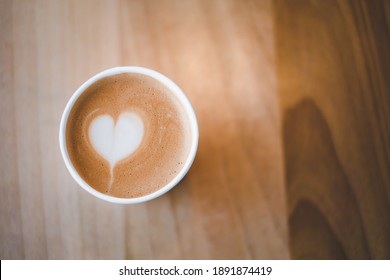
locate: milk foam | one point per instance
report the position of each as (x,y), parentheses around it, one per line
(115,142)
(127,135)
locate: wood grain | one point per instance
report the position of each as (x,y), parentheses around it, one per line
(291,99)
(333,78)
(231,205)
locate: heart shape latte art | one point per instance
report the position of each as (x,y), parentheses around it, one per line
(116,141)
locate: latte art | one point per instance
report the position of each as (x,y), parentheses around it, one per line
(127,135)
(115,142)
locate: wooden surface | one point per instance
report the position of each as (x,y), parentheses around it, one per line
(333,61)
(292,101)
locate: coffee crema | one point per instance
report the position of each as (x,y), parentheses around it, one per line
(128,135)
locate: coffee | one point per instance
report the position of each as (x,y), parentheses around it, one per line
(127,135)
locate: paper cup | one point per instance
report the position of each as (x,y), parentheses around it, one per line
(183,101)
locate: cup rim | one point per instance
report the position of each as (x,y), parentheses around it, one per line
(174,88)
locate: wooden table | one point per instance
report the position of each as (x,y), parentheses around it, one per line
(292,99)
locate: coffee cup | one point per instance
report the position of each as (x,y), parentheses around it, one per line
(116,144)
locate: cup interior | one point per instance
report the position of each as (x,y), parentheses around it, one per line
(174,88)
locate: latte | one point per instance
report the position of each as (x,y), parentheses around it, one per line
(127,135)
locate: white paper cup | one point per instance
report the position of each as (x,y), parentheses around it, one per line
(183,101)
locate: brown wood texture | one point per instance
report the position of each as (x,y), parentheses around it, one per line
(292,101)
(333,79)
(230,205)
